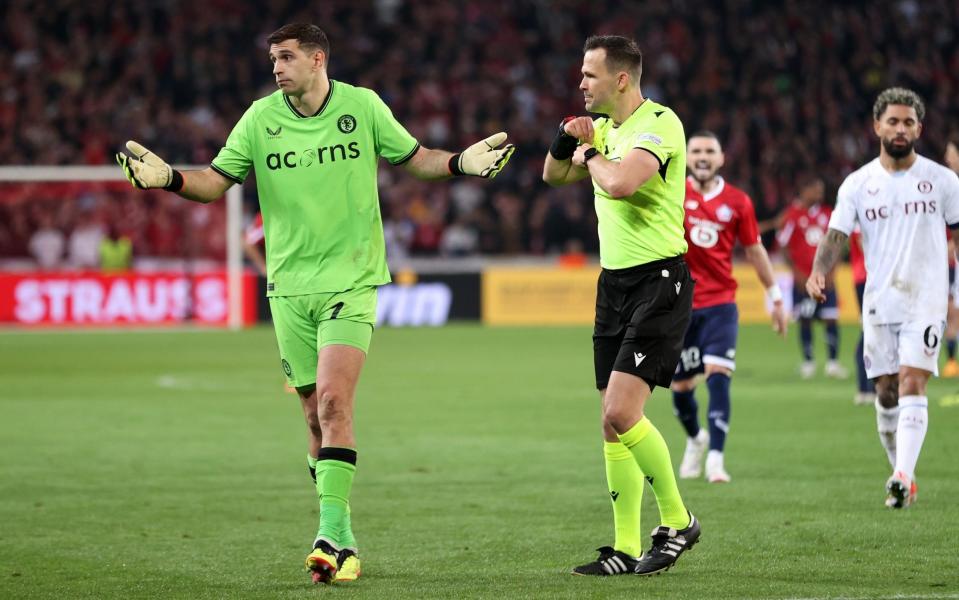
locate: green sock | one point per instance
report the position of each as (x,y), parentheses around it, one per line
(335,470)
(625,482)
(652,456)
(346,532)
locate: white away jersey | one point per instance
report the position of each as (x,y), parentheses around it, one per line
(903,218)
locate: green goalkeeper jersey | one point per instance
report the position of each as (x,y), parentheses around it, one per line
(648,225)
(316,179)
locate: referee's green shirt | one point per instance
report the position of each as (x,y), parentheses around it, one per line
(648,225)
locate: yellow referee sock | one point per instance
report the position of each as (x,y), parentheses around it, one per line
(625,482)
(649,449)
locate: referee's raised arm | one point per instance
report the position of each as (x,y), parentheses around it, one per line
(559,168)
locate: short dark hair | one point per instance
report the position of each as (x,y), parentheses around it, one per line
(898,95)
(705,133)
(310,37)
(622,53)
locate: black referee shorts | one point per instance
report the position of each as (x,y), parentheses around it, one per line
(641,318)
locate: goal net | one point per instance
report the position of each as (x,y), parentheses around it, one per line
(80,247)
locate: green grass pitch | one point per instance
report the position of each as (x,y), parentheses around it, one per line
(148,465)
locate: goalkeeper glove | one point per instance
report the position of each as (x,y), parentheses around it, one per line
(147,170)
(482,158)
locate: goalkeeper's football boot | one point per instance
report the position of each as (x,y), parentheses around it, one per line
(668,546)
(348,565)
(322,562)
(610,562)
(900,492)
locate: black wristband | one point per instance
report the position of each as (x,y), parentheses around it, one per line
(454,165)
(176,182)
(564,145)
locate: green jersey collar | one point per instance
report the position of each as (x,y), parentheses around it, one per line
(326,102)
(643,106)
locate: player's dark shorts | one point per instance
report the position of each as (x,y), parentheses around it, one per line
(641,315)
(805,307)
(710,339)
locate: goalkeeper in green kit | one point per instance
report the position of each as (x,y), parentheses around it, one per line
(315,144)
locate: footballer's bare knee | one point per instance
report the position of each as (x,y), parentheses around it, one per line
(624,401)
(609,434)
(615,421)
(620,415)
(912,382)
(683,385)
(334,406)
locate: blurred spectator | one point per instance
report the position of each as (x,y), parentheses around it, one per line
(84,243)
(427,223)
(116,251)
(47,243)
(511,234)
(398,234)
(459,239)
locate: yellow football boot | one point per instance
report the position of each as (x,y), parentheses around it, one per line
(322,563)
(349,566)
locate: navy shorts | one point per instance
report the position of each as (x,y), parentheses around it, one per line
(710,339)
(805,307)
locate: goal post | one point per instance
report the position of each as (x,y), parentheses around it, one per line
(234,217)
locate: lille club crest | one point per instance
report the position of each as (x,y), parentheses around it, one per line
(724,213)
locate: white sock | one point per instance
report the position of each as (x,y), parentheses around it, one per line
(913,422)
(887,421)
(714,460)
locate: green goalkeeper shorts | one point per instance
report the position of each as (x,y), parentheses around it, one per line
(306,323)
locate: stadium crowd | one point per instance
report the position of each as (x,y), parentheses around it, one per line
(787,86)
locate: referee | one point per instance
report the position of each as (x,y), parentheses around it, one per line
(636,157)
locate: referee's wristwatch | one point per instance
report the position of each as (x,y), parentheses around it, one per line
(590,153)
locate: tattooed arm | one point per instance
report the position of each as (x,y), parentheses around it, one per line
(827,255)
